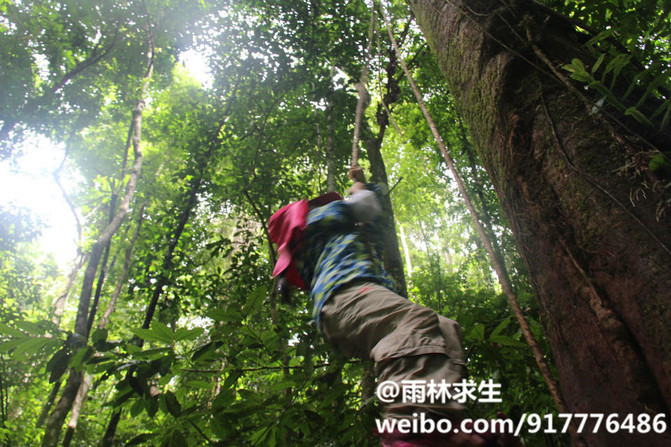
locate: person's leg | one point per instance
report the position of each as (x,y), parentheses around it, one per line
(452,334)
(407,341)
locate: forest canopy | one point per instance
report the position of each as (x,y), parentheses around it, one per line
(165,328)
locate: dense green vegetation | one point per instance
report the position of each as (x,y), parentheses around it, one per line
(181,339)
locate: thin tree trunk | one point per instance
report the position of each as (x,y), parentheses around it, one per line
(485,215)
(124,272)
(162,280)
(110,432)
(166,266)
(391,255)
(330,151)
(406,250)
(601,266)
(59,303)
(102,273)
(59,413)
(52,430)
(183,219)
(364,96)
(330,141)
(85,386)
(77,408)
(3,393)
(46,407)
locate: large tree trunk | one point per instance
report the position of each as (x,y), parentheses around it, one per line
(597,255)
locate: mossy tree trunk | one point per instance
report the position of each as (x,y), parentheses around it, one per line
(567,178)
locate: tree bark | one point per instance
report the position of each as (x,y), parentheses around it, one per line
(84,388)
(599,259)
(85,385)
(108,438)
(81,330)
(391,255)
(46,407)
(124,272)
(330,150)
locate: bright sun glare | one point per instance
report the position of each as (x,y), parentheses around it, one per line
(29,182)
(196,64)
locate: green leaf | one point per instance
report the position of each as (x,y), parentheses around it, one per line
(136,408)
(502,325)
(80,357)
(163,331)
(153,354)
(598,62)
(283,385)
(28,347)
(652,86)
(123,397)
(578,70)
(506,341)
(29,327)
(99,336)
(223,400)
(199,384)
(175,439)
(174,407)
(146,334)
(603,35)
(158,332)
(260,436)
(184,334)
(638,116)
(254,300)
(8,346)
(58,364)
(8,330)
(270,340)
(477,332)
(205,349)
(151,405)
(131,348)
(658,161)
(140,439)
(232,379)
(139,385)
(218,314)
(616,65)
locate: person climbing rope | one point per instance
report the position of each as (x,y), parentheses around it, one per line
(329,247)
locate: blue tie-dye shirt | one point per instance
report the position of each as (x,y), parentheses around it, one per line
(334,252)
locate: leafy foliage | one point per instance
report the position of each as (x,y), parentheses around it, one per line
(222,361)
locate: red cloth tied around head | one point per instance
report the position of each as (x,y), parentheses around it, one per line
(286,228)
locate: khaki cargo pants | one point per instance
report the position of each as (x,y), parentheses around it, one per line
(407,342)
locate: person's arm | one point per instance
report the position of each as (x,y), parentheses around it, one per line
(365,205)
(358,178)
(364,201)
